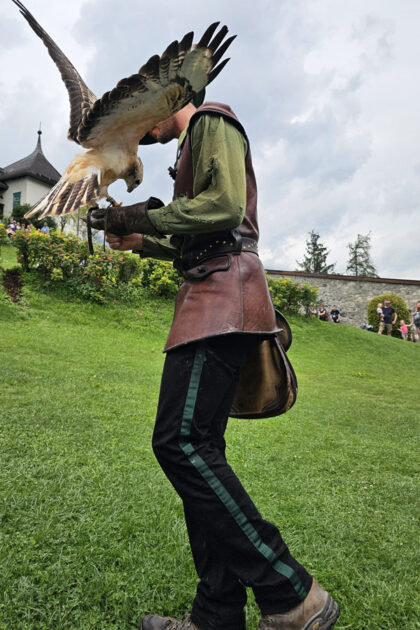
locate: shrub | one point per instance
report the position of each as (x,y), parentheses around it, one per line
(292,296)
(397,303)
(107,275)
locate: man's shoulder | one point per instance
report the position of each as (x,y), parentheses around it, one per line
(215,106)
(215,109)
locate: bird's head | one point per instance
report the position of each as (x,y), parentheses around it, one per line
(133,176)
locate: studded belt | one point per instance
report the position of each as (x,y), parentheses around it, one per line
(230,243)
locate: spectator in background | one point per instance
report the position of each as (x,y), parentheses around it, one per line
(11,228)
(335,315)
(403,330)
(323,313)
(390,317)
(415,322)
(45,229)
(380,312)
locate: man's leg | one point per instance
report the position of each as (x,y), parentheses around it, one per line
(198,379)
(220,596)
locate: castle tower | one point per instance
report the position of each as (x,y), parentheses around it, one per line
(27,180)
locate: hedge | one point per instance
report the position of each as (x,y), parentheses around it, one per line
(105,276)
(292,296)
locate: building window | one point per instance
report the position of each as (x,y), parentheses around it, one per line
(1,210)
(16,199)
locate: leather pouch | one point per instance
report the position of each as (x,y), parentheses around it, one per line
(268,384)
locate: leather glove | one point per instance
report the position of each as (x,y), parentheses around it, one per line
(125,220)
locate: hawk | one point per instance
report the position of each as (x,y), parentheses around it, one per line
(111,127)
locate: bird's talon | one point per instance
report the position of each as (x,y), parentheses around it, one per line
(112,202)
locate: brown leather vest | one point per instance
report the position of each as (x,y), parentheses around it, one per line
(234,296)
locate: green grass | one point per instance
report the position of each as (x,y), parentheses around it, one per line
(92,534)
(8,255)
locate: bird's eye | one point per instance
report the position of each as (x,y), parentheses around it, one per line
(137,182)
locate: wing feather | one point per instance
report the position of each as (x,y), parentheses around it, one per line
(169,64)
(216,41)
(213,74)
(207,35)
(80,97)
(218,54)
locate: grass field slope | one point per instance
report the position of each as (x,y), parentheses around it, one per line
(91,532)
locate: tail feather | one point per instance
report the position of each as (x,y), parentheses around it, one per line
(65,197)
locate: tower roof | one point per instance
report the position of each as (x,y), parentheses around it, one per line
(3,185)
(35,165)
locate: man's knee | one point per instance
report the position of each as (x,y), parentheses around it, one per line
(166,448)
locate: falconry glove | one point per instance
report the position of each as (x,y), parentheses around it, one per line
(125,220)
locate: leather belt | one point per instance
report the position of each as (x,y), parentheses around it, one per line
(229,243)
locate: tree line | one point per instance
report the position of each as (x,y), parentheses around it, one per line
(359,259)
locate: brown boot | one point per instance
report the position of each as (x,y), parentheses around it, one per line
(155,622)
(318,611)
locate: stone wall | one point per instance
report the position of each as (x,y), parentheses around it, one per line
(352,294)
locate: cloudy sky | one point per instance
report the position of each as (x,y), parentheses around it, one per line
(327,90)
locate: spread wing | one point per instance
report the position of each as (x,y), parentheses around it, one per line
(81,98)
(114,124)
(160,88)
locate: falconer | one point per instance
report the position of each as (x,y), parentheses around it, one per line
(224,320)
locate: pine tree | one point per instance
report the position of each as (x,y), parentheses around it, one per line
(315,260)
(360,263)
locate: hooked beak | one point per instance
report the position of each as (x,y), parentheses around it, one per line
(133,185)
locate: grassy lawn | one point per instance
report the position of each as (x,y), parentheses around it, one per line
(8,255)
(91,532)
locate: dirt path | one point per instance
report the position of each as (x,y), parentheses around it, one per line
(12,282)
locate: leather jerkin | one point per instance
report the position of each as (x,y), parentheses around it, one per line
(233,297)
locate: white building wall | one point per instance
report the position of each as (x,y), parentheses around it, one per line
(31,191)
(35,190)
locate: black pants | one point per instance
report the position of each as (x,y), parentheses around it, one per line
(233,547)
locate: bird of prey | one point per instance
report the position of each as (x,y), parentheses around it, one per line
(110,128)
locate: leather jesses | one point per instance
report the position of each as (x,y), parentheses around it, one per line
(231,295)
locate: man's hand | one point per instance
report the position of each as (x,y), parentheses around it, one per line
(126,220)
(124,243)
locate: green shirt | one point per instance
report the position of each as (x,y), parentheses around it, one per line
(219,187)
